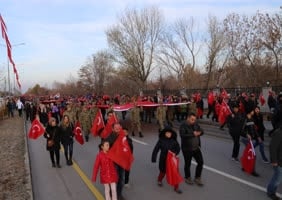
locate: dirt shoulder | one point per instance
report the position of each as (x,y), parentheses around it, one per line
(14,176)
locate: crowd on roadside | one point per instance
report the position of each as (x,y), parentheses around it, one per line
(240,113)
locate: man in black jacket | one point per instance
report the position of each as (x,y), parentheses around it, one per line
(190,133)
(275,149)
(235,123)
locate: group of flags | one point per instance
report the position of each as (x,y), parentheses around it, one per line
(9,48)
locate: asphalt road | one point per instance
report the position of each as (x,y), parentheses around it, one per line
(222,177)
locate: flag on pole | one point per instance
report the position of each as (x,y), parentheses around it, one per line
(9,48)
(36,129)
(120,152)
(108,128)
(173,175)
(248,158)
(78,133)
(97,124)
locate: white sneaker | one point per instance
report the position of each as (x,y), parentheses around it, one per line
(127,185)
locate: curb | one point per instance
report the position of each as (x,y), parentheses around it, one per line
(27,164)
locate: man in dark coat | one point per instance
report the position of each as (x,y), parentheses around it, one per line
(190,133)
(275,149)
(235,123)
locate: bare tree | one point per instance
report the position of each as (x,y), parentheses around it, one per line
(245,48)
(134,40)
(97,72)
(270,35)
(188,34)
(172,55)
(215,44)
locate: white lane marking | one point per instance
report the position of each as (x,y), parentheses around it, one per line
(250,184)
(140,142)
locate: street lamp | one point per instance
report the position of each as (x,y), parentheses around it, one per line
(8,65)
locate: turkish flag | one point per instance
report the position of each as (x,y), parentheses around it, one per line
(36,129)
(223,113)
(108,128)
(120,152)
(78,133)
(261,99)
(248,158)
(98,124)
(210,98)
(173,176)
(224,94)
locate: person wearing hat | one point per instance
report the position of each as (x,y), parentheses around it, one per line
(235,123)
(167,142)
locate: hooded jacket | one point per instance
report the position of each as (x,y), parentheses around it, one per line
(164,145)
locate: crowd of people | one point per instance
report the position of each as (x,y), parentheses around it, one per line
(240,113)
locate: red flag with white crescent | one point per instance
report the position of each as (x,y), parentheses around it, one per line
(108,128)
(120,152)
(78,133)
(98,124)
(36,129)
(248,158)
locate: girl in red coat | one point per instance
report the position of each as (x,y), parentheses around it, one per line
(108,173)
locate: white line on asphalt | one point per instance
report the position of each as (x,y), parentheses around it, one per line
(236,179)
(140,142)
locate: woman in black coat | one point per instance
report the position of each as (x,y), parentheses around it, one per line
(167,142)
(66,129)
(53,136)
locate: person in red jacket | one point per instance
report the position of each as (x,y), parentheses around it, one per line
(108,173)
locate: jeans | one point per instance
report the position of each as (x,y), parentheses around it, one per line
(68,148)
(275,180)
(257,143)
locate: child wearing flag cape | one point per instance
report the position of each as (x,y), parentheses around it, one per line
(167,142)
(108,173)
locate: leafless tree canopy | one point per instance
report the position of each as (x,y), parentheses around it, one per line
(134,40)
(97,72)
(241,50)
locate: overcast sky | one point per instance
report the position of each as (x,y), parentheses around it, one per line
(60,35)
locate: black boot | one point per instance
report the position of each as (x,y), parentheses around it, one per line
(87,138)
(133,133)
(140,134)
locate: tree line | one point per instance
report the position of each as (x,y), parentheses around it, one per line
(146,52)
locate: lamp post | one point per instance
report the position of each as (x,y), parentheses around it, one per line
(8,66)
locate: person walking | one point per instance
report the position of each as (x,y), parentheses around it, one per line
(190,133)
(135,119)
(116,127)
(85,120)
(127,172)
(20,107)
(167,142)
(108,173)
(161,115)
(275,150)
(52,134)
(259,126)
(235,123)
(67,134)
